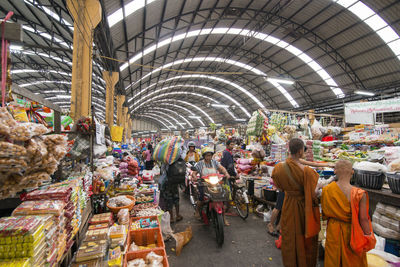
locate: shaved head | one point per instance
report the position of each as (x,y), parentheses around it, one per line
(343,169)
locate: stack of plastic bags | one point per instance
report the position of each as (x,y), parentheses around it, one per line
(23,241)
(244,166)
(386,221)
(278,152)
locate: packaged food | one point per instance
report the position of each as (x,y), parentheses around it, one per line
(40,207)
(101,218)
(117,231)
(90,251)
(96,235)
(27,130)
(91,263)
(10,150)
(115,257)
(98,226)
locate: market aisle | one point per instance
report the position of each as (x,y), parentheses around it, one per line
(246,243)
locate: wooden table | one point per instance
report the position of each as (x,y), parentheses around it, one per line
(384,195)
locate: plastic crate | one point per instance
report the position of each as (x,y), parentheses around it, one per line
(152,218)
(143,253)
(146,237)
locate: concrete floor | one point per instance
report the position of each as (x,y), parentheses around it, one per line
(247,243)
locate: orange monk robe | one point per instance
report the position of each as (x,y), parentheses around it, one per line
(336,209)
(300,223)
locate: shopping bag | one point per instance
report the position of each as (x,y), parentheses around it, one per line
(116,133)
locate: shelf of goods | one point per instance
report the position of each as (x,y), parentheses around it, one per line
(52,220)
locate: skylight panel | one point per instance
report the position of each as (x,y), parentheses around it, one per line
(346,3)
(130,8)
(362,11)
(387,34)
(395,46)
(375,22)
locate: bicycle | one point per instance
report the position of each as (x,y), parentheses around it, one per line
(240,198)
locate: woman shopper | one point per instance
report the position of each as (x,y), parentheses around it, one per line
(149,163)
(192,155)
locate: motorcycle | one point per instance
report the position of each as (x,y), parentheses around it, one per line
(213,208)
(189,169)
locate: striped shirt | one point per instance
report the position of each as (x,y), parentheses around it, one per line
(201,164)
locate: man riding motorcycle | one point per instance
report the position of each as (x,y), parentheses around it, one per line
(205,167)
(192,155)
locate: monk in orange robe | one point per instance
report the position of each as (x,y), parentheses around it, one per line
(336,204)
(300,218)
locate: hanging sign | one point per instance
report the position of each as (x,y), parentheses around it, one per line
(363,112)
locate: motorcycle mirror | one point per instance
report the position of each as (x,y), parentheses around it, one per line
(193,168)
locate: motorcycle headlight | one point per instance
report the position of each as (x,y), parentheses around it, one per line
(214,180)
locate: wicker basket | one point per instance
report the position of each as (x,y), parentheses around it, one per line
(129,207)
(370,179)
(394,181)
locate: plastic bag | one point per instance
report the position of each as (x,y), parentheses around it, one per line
(166,224)
(123,216)
(316,130)
(40,207)
(156,170)
(27,130)
(116,133)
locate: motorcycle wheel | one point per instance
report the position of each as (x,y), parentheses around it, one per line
(219,228)
(242,208)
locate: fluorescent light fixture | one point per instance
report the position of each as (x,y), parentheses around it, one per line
(164,129)
(283,81)
(219,106)
(195,117)
(358,92)
(241,119)
(153,131)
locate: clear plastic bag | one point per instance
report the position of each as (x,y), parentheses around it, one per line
(27,130)
(10,150)
(166,224)
(123,216)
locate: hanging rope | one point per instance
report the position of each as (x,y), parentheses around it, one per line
(4,49)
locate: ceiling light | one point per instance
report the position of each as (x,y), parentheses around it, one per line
(195,117)
(219,106)
(284,81)
(241,120)
(358,92)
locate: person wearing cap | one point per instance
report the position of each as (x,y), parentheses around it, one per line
(192,155)
(205,167)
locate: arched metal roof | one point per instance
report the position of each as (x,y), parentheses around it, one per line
(171,52)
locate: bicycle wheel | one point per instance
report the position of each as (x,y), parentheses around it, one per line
(242,208)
